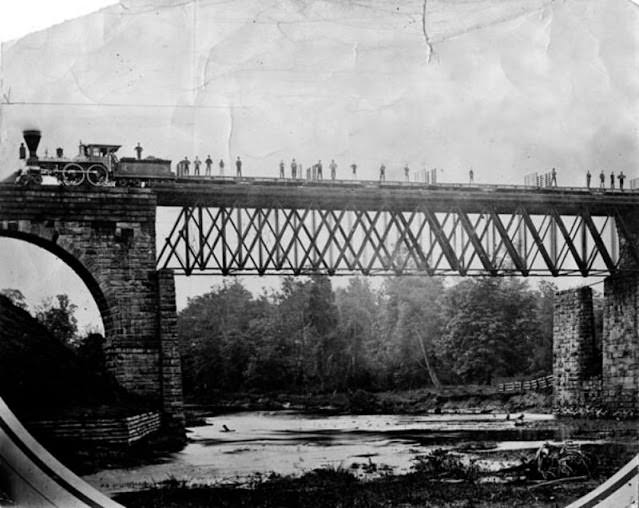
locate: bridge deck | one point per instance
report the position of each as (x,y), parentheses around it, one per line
(369,195)
(399,196)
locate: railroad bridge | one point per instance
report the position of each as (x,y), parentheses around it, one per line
(108,237)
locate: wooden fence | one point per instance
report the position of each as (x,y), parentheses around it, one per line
(530,385)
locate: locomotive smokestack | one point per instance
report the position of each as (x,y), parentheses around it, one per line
(32,139)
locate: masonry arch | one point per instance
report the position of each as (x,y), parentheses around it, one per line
(75,263)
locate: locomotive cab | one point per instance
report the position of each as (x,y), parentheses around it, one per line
(102,154)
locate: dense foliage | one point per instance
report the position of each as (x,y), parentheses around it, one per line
(412,332)
(41,372)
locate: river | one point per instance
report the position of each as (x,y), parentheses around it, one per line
(289,442)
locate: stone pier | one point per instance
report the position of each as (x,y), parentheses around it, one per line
(574,359)
(584,383)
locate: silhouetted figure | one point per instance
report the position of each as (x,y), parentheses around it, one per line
(138,151)
(293,168)
(186,164)
(282,169)
(507,415)
(612,180)
(196,166)
(22,151)
(226,429)
(238,166)
(588,177)
(553,177)
(221,164)
(382,173)
(319,170)
(407,172)
(354,169)
(602,180)
(471,175)
(208,162)
(621,178)
(333,166)
(59,152)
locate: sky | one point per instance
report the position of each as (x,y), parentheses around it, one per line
(21,17)
(507,87)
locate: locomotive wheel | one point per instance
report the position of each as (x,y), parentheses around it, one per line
(73,174)
(97,174)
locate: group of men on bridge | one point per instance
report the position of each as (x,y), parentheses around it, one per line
(315,172)
(602,179)
(184,166)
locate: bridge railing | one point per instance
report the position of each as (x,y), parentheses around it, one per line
(530,385)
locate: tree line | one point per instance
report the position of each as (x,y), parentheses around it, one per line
(411,332)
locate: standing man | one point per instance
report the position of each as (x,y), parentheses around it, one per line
(319,169)
(208,162)
(196,166)
(282,169)
(293,169)
(354,168)
(471,175)
(185,166)
(406,173)
(588,176)
(138,151)
(382,173)
(238,167)
(602,180)
(333,166)
(22,152)
(612,179)
(221,164)
(621,179)
(553,177)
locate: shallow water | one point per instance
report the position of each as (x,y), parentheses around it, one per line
(288,442)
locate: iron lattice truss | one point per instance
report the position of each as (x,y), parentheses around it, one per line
(229,240)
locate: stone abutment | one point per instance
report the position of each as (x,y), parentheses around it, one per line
(107,237)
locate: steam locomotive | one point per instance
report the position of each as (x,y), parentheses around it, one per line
(95,164)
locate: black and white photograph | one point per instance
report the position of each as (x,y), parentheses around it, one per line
(319,253)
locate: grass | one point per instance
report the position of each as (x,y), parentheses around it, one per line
(337,487)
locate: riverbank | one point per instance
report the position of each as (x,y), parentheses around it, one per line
(449,399)
(333,488)
(441,477)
